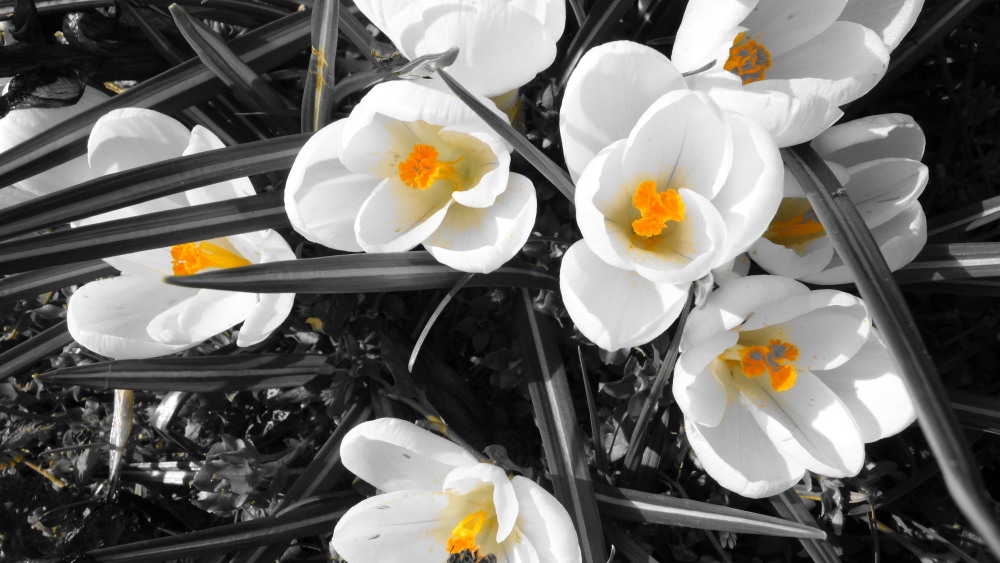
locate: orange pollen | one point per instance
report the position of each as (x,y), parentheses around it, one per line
(772,359)
(193,257)
(748,59)
(656,209)
(422,168)
(463,537)
(794,224)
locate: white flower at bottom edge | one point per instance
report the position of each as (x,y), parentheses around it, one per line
(440,504)
(774,379)
(137,315)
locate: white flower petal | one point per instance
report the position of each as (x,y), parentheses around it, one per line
(379,12)
(612,307)
(782,25)
(466,479)
(873,390)
(601,194)
(272,308)
(396,455)
(870,138)
(783,261)
(489,154)
(700,393)
(482,240)
(110,316)
(398,527)
(545,524)
(881,189)
(200,317)
(552,13)
(891,19)
(396,217)
(131,137)
(152,264)
(610,88)
(708,25)
(202,140)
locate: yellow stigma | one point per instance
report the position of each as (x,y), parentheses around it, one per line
(422,168)
(193,257)
(463,537)
(772,359)
(748,59)
(795,224)
(656,209)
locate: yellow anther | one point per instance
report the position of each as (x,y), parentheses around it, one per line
(748,59)
(794,224)
(463,537)
(193,257)
(656,209)
(422,168)
(773,359)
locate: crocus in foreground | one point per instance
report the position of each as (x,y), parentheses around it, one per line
(774,379)
(441,505)
(137,315)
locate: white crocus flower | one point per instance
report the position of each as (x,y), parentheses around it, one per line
(681,188)
(878,161)
(789,64)
(440,504)
(775,379)
(502,44)
(136,315)
(412,165)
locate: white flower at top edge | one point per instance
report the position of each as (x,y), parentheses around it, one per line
(679,188)
(412,165)
(774,379)
(502,44)
(878,161)
(439,504)
(136,315)
(789,64)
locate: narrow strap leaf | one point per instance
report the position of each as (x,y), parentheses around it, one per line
(790,507)
(34,350)
(317,98)
(30,284)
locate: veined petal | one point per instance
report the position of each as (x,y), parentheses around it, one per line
(880,189)
(610,88)
(545,524)
(467,478)
(481,240)
(701,393)
(782,25)
(890,19)
(202,316)
(783,261)
(612,307)
(807,423)
(202,140)
(708,25)
(398,527)
(740,456)
(890,135)
(396,217)
(322,197)
(110,316)
(272,308)
(871,387)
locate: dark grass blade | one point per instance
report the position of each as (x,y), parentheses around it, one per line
(360,273)
(314,518)
(34,350)
(978,288)
(966,219)
(145,183)
(434,317)
(628,547)
(854,244)
(552,172)
(196,374)
(600,456)
(790,507)
(981,412)
(30,284)
(317,98)
(178,88)
(155,230)
(637,506)
(945,262)
(253,90)
(555,417)
(602,16)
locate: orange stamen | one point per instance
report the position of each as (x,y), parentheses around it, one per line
(193,257)
(656,209)
(422,168)
(463,537)
(748,59)
(772,359)
(795,224)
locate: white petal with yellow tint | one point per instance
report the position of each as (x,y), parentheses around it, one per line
(890,19)
(322,197)
(782,25)
(783,261)
(396,217)
(207,313)
(740,456)
(272,308)
(482,240)
(398,527)
(486,160)
(728,306)
(807,423)
(890,135)
(467,479)
(841,64)
(500,46)
(700,383)
(609,90)
(110,316)
(708,25)
(807,322)
(881,189)
(395,455)
(612,307)
(604,207)
(545,524)
(873,390)
(681,141)
(752,192)
(202,140)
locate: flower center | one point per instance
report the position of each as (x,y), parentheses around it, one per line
(422,168)
(471,557)
(193,257)
(748,59)
(795,224)
(772,359)
(463,536)
(656,209)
